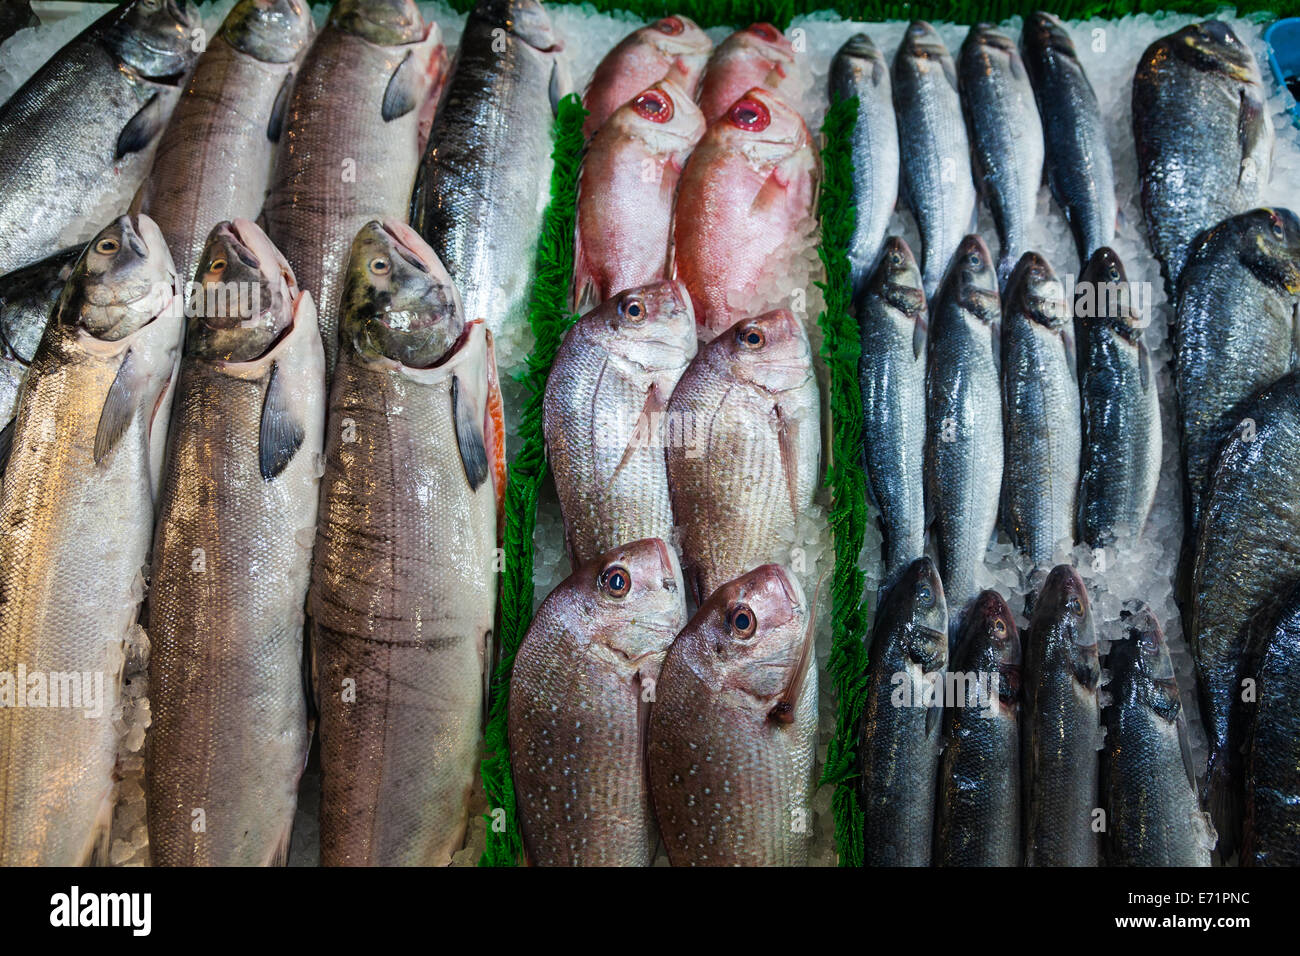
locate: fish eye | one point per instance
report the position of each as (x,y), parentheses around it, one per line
(925,593)
(1114,274)
(217,265)
(765,31)
(751,336)
(999,627)
(1278,231)
(654,106)
(1074,605)
(974,259)
(671,26)
(631,308)
(380,265)
(107,246)
(742,621)
(750,115)
(616,580)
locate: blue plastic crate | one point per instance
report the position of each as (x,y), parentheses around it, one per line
(1283,39)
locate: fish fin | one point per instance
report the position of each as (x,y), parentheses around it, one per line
(949,71)
(787,435)
(279,110)
(654,404)
(487,671)
(404,89)
(1250,138)
(279,855)
(560,84)
(308,668)
(1224,804)
(94,852)
(469,435)
(141,128)
(281,434)
(119,407)
(7,444)
(774,190)
(920,330)
(1144,365)
(494,429)
(1071,356)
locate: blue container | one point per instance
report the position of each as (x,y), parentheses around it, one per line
(1283,39)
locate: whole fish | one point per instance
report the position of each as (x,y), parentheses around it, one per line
(213,161)
(1119,465)
(963,436)
(603,417)
(1006,135)
(403,586)
(1203,134)
(977,822)
(1272,804)
(1061,729)
(1079,168)
(27,296)
(490,150)
(733,728)
(746,460)
(1235,332)
(891,376)
(934,149)
(759,55)
(1247,553)
(900,735)
(859,69)
(1148,783)
(673,48)
(77,511)
(1040,405)
(82,128)
(579,704)
(744,208)
(246,438)
(626,189)
(351,142)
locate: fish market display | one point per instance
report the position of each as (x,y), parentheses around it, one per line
(213,162)
(580,694)
(351,141)
(977,822)
(404,584)
(1120,460)
(1006,135)
(1079,168)
(87,121)
(1061,730)
(891,374)
(489,150)
(748,459)
(625,192)
(27,295)
(733,728)
(77,511)
(1204,139)
(760,55)
(1148,783)
(672,48)
(859,69)
(744,204)
(229,735)
(934,149)
(963,435)
(903,720)
(604,421)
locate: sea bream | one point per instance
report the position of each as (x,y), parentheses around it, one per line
(77,511)
(759,55)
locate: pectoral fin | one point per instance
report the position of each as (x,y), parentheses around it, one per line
(275,125)
(119,407)
(404,89)
(281,434)
(494,428)
(654,406)
(787,435)
(141,128)
(469,435)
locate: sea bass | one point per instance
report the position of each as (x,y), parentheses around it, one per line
(759,55)
(579,703)
(83,127)
(27,295)
(77,511)
(733,728)
(603,417)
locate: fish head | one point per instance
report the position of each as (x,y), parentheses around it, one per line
(156,37)
(273,31)
(766,40)
(769,352)
(990,639)
(972,280)
(897,280)
(651,326)
(676,35)
(858,62)
(1035,291)
(1141,662)
(633,597)
(763,127)
(916,602)
(1063,609)
(525,19)
(1212,47)
(399,302)
(664,117)
(124,280)
(1045,34)
(921,41)
(1105,283)
(1272,248)
(382,22)
(241,301)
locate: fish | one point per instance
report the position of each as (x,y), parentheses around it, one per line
(744,208)
(859,69)
(1247,554)
(626,188)
(230,752)
(673,48)
(489,150)
(1061,727)
(403,584)
(580,693)
(1122,444)
(84,126)
(1203,135)
(746,459)
(77,509)
(213,162)
(1041,413)
(963,432)
(1148,782)
(977,820)
(603,417)
(1079,167)
(351,142)
(938,185)
(1006,135)
(758,56)
(1235,331)
(899,736)
(733,728)
(891,377)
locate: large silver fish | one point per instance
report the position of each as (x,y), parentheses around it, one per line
(27,296)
